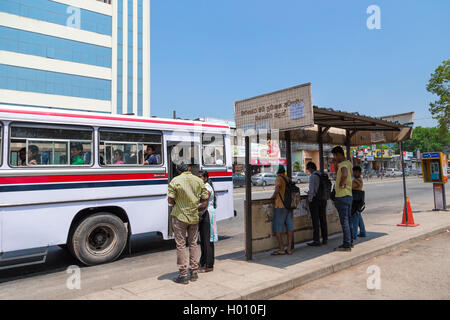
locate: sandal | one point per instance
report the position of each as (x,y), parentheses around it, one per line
(278,253)
(288,252)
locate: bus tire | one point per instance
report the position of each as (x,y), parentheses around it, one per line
(99,238)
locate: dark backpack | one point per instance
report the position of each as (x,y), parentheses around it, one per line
(291,193)
(359,201)
(324,192)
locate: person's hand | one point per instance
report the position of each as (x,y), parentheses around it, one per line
(342,186)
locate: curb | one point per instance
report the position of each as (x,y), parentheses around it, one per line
(274,288)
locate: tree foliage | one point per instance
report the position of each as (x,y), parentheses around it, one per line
(427,140)
(439,85)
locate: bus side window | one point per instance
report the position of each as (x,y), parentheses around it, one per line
(213,149)
(1,144)
(121,147)
(43,145)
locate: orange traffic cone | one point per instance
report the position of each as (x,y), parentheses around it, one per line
(410,216)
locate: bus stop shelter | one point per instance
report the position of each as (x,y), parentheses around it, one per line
(324,126)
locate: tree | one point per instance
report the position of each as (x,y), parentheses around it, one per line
(438,85)
(427,140)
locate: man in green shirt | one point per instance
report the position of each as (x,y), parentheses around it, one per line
(187,194)
(343,202)
(76,149)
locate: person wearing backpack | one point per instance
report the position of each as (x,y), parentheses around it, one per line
(282,216)
(317,200)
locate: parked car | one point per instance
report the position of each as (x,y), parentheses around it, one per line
(264,179)
(238,180)
(392,172)
(300,177)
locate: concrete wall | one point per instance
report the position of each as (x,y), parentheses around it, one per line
(262,237)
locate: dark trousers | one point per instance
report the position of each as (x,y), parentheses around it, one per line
(318,211)
(207,247)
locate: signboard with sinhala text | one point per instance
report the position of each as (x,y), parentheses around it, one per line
(282,110)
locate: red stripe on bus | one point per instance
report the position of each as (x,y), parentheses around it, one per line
(80,178)
(220,174)
(54,114)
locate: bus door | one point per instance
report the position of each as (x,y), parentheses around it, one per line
(177,152)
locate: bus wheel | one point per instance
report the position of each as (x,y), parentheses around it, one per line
(98,239)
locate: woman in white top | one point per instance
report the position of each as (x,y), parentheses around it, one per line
(208,227)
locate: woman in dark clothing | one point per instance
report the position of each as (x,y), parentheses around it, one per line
(208,227)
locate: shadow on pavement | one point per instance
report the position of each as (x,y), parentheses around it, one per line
(58,260)
(301,253)
(168,276)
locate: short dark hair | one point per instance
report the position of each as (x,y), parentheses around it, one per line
(357,168)
(182,167)
(311,166)
(34,149)
(120,152)
(337,150)
(151,147)
(77,145)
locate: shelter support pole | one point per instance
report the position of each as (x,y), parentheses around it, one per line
(320,142)
(347,144)
(289,154)
(248,201)
(289,165)
(400,144)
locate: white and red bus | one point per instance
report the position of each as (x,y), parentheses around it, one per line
(85,180)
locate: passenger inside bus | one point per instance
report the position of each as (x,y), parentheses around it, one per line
(209,156)
(33,155)
(76,152)
(23,157)
(219,158)
(118,157)
(151,157)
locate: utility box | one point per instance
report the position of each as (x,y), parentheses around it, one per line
(434,167)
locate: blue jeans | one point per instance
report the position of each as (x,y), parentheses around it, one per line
(344,207)
(282,217)
(357,221)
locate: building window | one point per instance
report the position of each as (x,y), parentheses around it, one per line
(39,81)
(55,12)
(41,45)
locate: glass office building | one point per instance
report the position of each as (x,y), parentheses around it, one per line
(90,55)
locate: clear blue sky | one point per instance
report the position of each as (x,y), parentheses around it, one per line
(208,54)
